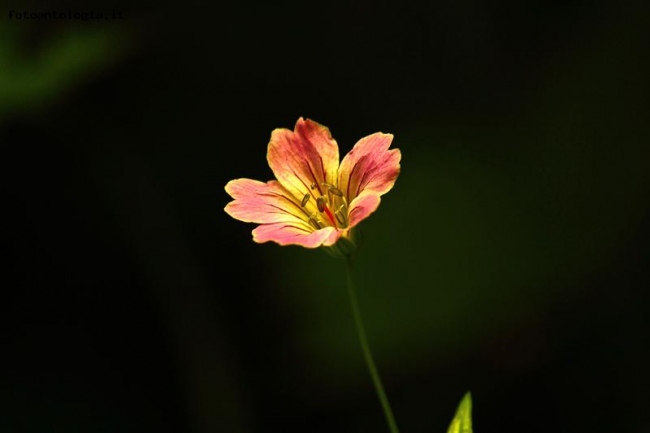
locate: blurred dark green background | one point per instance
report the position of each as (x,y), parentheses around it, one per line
(510,259)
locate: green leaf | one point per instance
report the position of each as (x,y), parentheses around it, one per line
(68,56)
(462,422)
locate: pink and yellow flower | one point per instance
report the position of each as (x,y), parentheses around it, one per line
(315,201)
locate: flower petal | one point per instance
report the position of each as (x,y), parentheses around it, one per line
(258,202)
(304,156)
(362,206)
(298,234)
(367,172)
(369,166)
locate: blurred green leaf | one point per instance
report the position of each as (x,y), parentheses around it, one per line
(462,422)
(30,79)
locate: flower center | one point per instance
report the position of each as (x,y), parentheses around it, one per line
(332,207)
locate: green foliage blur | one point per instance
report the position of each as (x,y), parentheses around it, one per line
(510,259)
(462,422)
(38,74)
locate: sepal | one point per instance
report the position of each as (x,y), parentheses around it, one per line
(346,246)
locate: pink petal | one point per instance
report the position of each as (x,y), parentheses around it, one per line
(288,234)
(362,206)
(301,157)
(367,172)
(258,202)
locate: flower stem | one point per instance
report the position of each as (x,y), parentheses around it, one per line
(376,380)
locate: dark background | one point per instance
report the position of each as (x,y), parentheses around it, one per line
(510,259)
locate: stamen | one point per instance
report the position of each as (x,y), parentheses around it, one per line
(335,191)
(320,202)
(334,198)
(313,219)
(340,218)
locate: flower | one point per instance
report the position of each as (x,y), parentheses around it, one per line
(315,201)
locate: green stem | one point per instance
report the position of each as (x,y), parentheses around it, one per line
(376,380)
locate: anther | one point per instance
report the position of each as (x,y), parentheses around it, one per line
(341,216)
(315,222)
(305,199)
(335,191)
(320,202)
